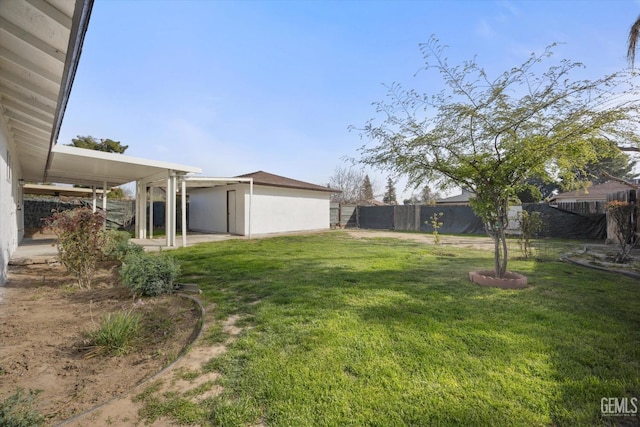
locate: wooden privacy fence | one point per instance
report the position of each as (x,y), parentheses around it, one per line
(343,216)
(583,208)
(120,213)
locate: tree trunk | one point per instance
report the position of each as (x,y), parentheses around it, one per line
(503,266)
(496,253)
(500,238)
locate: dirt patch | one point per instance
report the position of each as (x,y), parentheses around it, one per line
(43,323)
(601,257)
(186,379)
(471,242)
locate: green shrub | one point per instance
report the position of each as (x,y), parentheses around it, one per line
(149,274)
(17,410)
(115,334)
(436,224)
(80,241)
(621,214)
(530,226)
(117,245)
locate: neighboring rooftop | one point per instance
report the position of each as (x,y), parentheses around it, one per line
(269,179)
(593,193)
(460,199)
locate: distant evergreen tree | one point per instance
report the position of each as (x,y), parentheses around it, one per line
(367,189)
(390,197)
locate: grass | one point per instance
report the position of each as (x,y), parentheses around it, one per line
(18,410)
(391,332)
(115,334)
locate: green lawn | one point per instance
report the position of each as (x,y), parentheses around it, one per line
(388,332)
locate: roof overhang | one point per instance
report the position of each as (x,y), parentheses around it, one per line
(209,182)
(57,190)
(40,45)
(74,165)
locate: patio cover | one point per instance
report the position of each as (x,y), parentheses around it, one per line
(74,165)
(40,46)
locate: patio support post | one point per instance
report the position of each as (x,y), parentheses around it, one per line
(250,200)
(104,203)
(151,212)
(138,214)
(95,199)
(167,212)
(170,211)
(141,210)
(184,212)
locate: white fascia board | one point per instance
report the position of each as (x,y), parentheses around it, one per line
(204,181)
(121,158)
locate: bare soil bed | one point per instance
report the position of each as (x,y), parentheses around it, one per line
(471,242)
(44,319)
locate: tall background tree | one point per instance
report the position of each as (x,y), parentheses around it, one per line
(367,190)
(618,165)
(390,197)
(634,35)
(105,145)
(490,135)
(356,187)
(426,196)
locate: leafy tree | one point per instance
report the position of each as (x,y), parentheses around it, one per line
(390,197)
(490,134)
(105,145)
(529,193)
(617,165)
(116,193)
(634,35)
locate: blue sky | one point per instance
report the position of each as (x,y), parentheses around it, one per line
(239,86)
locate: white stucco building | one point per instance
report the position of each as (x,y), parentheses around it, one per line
(264,203)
